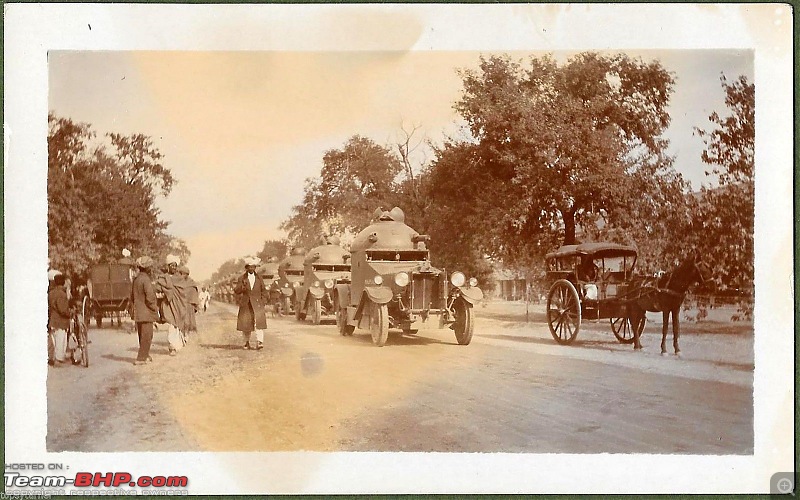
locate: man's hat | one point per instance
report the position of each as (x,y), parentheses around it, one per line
(173,259)
(52,274)
(251,261)
(183,270)
(144,262)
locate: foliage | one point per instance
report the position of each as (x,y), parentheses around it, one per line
(229,267)
(102,201)
(554,148)
(726,213)
(353,182)
(273,248)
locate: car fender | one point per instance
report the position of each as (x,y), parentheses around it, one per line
(379,294)
(286,291)
(471,294)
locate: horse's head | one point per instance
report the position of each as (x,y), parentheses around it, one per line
(702,271)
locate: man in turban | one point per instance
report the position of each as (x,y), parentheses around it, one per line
(173,304)
(251,295)
(145,312)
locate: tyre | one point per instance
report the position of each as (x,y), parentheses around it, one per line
(464,323)
(341,322)
(316,313)
(379,324)
(563,312)
(287,305)
(84,342)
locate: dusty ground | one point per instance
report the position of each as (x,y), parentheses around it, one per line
(513,389)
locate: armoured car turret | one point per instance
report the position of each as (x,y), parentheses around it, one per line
(325,267)
(395,286)
(290,276)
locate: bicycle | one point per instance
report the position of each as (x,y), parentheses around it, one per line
(79,334)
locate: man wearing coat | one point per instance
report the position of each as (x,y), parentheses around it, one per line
(145,312)
(251,295)
(173,304)
(57,321)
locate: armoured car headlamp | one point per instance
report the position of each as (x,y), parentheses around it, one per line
(316,283)
(401,279)
(296,284)
(378,279)
(328,283)
(473,282)
(457,278)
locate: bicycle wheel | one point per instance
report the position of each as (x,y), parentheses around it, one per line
(83,342)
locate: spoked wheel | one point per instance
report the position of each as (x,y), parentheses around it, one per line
(622,329)
(83,341)
(379,324)
(86,306)
(341,322)
(316,313)
(464,323)
(563,312)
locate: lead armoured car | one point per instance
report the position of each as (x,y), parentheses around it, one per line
(326,266)
(290,276)
(395,286)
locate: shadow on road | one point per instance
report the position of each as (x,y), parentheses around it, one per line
(364,339)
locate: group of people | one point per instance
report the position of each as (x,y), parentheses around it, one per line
(170,297)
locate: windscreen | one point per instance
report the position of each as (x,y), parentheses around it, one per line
(293,273)
(397,256)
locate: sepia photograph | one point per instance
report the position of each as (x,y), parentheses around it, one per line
(398,249)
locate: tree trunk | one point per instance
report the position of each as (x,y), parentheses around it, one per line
(569,228)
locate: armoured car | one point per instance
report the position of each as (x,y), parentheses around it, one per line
(290,276)
(269,273)
(325,267)
(395,286)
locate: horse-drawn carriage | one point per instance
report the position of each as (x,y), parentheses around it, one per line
(596,281)
(590,281)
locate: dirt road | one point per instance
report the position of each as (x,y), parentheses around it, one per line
(512,390)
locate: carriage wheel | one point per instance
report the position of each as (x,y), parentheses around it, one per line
(379,324)
(316,313)
(622,329)
(465,321)
(341,322)
(563,312)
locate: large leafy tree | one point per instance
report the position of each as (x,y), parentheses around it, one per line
(101,200)
(553,148)
(725,213)
(353,182)
(273,248)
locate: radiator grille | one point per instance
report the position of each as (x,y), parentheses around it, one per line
(425,291)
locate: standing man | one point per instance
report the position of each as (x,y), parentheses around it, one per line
(145,312)
(251,295)
(173,305)
(192,302)
(58,316)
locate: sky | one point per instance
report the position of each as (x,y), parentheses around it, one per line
(241,131)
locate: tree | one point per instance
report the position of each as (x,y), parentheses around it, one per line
(273,248)
(552,148)
(725,214)
(99,201)
(353,182)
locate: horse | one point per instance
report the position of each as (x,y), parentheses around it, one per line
(666,294)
